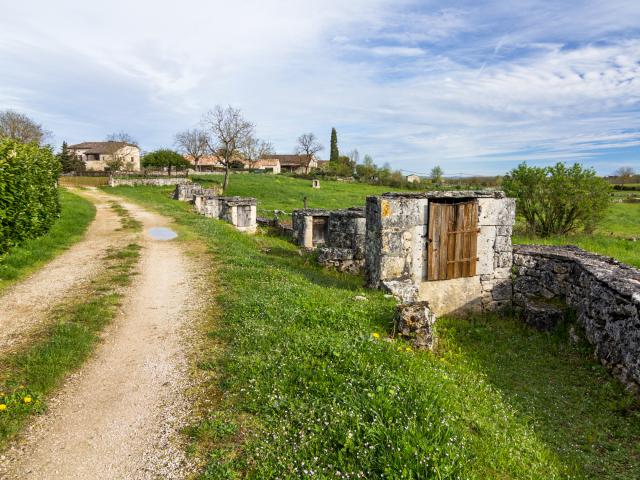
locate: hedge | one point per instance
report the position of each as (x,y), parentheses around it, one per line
(29,201)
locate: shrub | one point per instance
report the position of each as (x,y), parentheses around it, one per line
(559,199)
(28,191)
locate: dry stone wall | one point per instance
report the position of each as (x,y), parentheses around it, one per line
(604,294)
(186,192)
(345,244)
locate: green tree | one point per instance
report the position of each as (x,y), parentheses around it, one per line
(65,159)
(367,170)
(335,154)
(436,174)
(165,158)
(559,199)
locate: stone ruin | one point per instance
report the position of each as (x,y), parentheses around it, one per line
(241,212)
(186,192)
(451,249)
(602,293)
(310,227)
(344,246)
(315,183)
(338,236)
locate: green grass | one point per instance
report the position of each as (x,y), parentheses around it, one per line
(33,372)
(305,386)
(76,215)
(287,193)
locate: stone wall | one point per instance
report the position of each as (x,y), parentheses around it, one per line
(186,192)
(156,182)
(345,243)
(396,251)
(604,294)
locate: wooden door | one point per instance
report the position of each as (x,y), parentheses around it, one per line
(453,239)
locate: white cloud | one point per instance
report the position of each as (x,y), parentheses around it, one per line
(400,80)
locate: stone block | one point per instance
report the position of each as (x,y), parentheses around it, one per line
(543,316)
(496,211)
(415,322)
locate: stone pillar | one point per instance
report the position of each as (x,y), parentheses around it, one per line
(415,321)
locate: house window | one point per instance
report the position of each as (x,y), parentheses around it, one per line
(453,239)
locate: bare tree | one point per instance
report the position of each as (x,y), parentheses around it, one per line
(194,143)
(228,131)
(119,146)
(18,126)
(308,146)
(253,149)
(625,174)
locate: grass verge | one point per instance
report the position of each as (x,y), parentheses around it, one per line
(76,215)
(306,382)
(29,375)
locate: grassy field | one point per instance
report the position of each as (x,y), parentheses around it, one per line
(74,219)
(307,382)
(287,193)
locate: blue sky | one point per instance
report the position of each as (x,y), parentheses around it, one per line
(475,87)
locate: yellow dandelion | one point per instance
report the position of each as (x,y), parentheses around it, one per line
(375,335)
(409,349)
(27,399)
(2,407)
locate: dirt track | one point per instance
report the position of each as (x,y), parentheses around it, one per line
(119,416)
(25,306)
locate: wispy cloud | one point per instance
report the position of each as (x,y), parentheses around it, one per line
(475,88)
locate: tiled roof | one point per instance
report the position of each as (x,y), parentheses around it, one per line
(101,147)
(287,160)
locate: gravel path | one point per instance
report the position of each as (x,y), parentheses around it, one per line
(119,417)
(26,305)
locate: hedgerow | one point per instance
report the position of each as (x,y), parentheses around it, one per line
(29,201)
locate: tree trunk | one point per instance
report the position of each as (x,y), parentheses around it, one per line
(169,170)
(226,178)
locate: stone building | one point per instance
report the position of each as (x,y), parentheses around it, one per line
(99,156)
(310,226)
(240,212)
(451,249)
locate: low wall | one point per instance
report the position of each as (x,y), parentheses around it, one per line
(156,182)
(344,247)
(604,294)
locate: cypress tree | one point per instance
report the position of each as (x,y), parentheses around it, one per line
(65,159)
(335,154)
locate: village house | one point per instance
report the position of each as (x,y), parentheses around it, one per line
(413,178)
(212,163)
(293,163)
(101,156)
